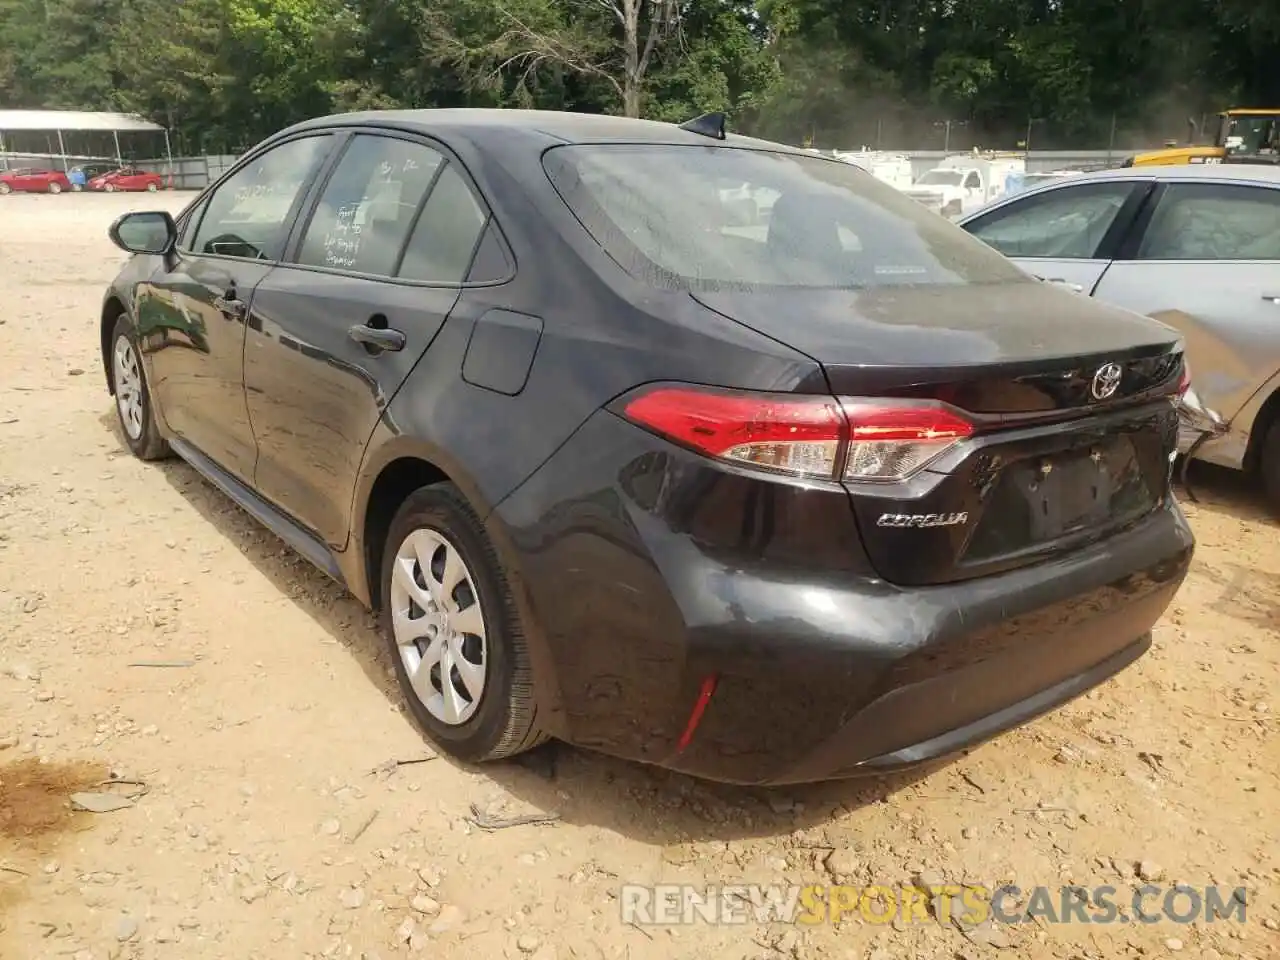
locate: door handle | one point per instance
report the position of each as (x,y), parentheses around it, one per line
(231,306)
(1062,282)
(377,339)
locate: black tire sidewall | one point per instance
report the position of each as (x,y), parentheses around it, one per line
(441,508)
(1269,466)
(149,439)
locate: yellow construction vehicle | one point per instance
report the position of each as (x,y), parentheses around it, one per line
(1244,136)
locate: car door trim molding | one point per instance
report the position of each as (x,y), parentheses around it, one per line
(1128,249)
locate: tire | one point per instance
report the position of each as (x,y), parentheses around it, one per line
(151,187)
(1269,465)
(55,188)
(110,188)
(137,423)
(502,721)
(4,189)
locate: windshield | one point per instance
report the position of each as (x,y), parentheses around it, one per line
(942,178)
(1250,135)
(717,217)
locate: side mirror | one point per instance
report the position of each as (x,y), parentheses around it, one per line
(151,232)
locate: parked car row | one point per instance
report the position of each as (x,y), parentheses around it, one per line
(97,177)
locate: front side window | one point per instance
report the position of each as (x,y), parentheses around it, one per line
(716,216)
(1065,224)
(248,215)
(1210,221)
(972,181)
(368,206)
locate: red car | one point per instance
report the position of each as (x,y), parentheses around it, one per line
(127,179)
(30,180)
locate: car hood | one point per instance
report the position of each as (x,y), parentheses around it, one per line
(1017,321)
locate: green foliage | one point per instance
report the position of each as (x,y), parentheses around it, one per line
(224,73)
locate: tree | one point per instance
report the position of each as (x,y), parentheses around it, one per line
(614,41)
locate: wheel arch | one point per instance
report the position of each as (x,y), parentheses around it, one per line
(112,307)
(394,467)
(1268,412)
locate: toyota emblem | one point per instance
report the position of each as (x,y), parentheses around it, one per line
(1106,381)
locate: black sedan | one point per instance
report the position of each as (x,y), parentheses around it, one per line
(765,491)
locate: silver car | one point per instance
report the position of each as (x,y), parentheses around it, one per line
(1197,247)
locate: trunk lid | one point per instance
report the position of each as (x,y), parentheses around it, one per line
(1061,455)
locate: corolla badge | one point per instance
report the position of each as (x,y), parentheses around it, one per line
(1106,381)
(922,520)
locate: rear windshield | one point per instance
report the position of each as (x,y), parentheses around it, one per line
(719,217)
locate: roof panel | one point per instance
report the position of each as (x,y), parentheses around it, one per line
(11,121)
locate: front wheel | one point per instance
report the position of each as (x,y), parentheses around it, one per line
(110,188)
(5,188)
(151,187)
(133,398)
(55,188)
(453,630)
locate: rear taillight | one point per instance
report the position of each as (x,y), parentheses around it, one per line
(797,435)
(802,436)
(1184,383)
(893,441)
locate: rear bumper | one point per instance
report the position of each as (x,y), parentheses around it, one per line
(821,670)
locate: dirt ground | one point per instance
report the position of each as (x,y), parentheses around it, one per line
(151,632)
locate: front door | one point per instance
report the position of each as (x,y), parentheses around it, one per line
(192,318)
(1063,235)
(376,271)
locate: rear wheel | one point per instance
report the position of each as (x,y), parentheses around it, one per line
(55,188)
(110,188)
(1269,465)
(5,188)
(133,399)
(454,634)
(151,187)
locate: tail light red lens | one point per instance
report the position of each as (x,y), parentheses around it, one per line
(1184,384)
(796,435)
(802,436)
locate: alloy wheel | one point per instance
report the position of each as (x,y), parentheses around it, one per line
(439,628)
(128,383)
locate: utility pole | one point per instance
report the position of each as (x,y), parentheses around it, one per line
(1031,121)
(946,126)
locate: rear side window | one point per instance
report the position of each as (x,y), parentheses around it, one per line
(368,206)
(718,217)
(447,233)
(1068,223)
(1211,221)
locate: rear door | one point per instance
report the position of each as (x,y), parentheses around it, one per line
(376,268)
(1205,259)
(1065,235)
(191,315)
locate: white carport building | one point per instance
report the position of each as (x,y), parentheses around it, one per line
(65,138)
